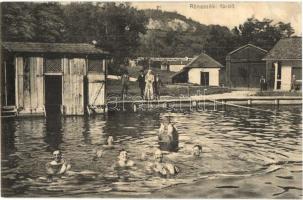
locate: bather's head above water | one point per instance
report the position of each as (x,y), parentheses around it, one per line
(166,119)
(123,160)
(197,150)
(57,155)
(123,156)
(158,156)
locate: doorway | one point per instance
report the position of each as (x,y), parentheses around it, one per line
(53,94)
(205,78)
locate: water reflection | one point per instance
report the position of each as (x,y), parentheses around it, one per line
(236,142)
(8,138)
(53,136)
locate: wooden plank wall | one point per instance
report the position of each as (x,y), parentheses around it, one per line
(29,82)
(19,82)
(96,89)
(73,94)
(40,82)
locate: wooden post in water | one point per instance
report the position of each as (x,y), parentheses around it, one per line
(123,105)
(224,104)
(195,104)
(5,84)
(249,102)
(277,102)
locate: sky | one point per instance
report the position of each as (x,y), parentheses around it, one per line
(232,14)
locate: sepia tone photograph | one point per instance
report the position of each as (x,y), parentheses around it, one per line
(151,99)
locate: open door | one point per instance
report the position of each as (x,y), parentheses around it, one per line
(53,94)
(205,78)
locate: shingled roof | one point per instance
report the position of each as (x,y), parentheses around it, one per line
(286,49)
(201,61)
(70,48)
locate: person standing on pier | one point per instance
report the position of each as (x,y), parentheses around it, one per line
(293,83)
(141,82)
(157,84)
(149,83)
(262,83)
(124,81)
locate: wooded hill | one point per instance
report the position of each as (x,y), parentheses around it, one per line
(173,35)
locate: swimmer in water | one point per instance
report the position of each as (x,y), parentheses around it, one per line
(110,141)
(58,166)
(168,135)
(160,167)
(98,152)
(123,160)
(197,150)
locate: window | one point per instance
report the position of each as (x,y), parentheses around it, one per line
(52,65)
(95,65)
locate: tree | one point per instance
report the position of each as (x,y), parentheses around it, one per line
(220,42)
(115,26)
(49,23)
(123,24)
(82,23)
(17,21)
(262,33)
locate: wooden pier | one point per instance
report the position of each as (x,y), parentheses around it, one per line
(197,102)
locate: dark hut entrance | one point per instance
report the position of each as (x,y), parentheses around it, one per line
(53,94)
(205,78)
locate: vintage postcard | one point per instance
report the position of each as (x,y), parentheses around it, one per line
(158,99)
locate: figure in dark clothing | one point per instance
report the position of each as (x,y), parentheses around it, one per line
(124,82)
(293,83)
(141,82)
(262,83)
(157,85)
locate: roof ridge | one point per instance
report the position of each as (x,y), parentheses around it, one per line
(67,43)
(46,47)
(192,61)
(213,60)
(242,47)
(286,49)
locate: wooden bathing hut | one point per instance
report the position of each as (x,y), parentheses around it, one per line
(244,67)
(42,78)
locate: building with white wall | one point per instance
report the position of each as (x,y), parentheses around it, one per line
(202,70)
(284,64)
